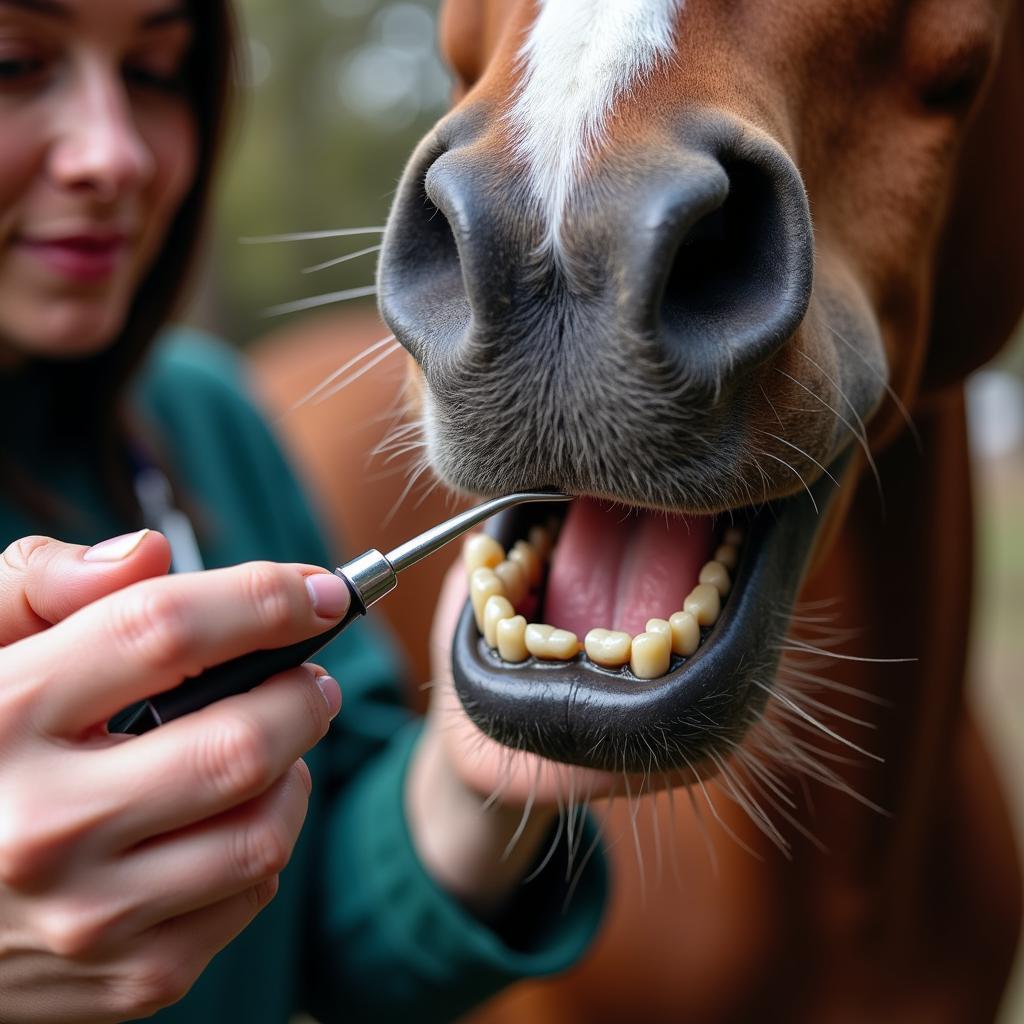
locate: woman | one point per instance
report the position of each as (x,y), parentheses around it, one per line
(127,864)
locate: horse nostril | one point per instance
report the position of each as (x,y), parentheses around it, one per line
(437,243)
(724,264)
(421,287)
(701,258)
(738,281)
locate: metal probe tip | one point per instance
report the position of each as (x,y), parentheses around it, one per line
(430,540)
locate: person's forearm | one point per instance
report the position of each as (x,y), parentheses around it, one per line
(461,843)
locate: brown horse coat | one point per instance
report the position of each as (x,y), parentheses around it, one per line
(912,915)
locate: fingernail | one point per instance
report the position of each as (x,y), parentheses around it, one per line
(116,548)
(329,594)
(307,779)
(332,693)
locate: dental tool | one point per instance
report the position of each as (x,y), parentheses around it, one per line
(369,577)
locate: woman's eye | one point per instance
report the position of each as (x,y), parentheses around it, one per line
(151,78)
(20,70)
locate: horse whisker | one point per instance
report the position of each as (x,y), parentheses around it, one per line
(305,236)
(341,259)
(771,405)
(806,455)
(775,458)
(327,381)
(809,718)
(414,475)
(748,802)
(750,766)
(320,300)
(714,812)
(524,820)
(553,845)
(702,825)
(827,709)
(797,645)
(873,370)
(634,808)
(377,359)
(831,684)
(861,438)
(591,849)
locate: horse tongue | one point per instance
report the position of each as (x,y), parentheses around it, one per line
(615,569)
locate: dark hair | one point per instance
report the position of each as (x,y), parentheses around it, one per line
(89,406)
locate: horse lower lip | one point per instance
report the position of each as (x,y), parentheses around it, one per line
(579,713)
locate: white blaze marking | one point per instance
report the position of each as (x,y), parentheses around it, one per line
(579,57)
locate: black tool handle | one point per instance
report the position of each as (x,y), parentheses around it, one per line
(232,677)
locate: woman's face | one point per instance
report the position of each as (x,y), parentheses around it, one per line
(97,150)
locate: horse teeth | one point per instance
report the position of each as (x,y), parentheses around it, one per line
(513,577)
(495,609)
(728,555)
(510,635)
(608,647)
(717,575)
(482,552)
(660,626)
(524,554)
(498,582)
(704,604)
(685,633)
(483,583)
(650,655)
(544,641)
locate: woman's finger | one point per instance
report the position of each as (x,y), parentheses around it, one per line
(219,757)
(42,581)
(202,865)
(170,957)
(153,635)
(115,797)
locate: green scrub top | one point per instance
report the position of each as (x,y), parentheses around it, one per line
(358,930)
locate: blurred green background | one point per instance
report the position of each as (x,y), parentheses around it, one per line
(337,94)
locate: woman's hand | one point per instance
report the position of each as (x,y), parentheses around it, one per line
(126,863)
(456,770)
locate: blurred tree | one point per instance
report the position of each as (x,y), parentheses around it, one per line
(336,94)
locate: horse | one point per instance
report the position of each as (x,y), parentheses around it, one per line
(720,270)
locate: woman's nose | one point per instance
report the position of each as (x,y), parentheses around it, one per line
(99,146)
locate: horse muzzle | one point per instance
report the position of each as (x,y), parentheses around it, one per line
(615,352)
(693,254)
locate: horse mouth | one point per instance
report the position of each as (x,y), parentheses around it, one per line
(623,639)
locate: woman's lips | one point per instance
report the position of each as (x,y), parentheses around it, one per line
(84,258)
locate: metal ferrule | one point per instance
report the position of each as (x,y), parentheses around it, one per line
(371,575)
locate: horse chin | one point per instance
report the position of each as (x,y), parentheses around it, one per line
(578,712)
